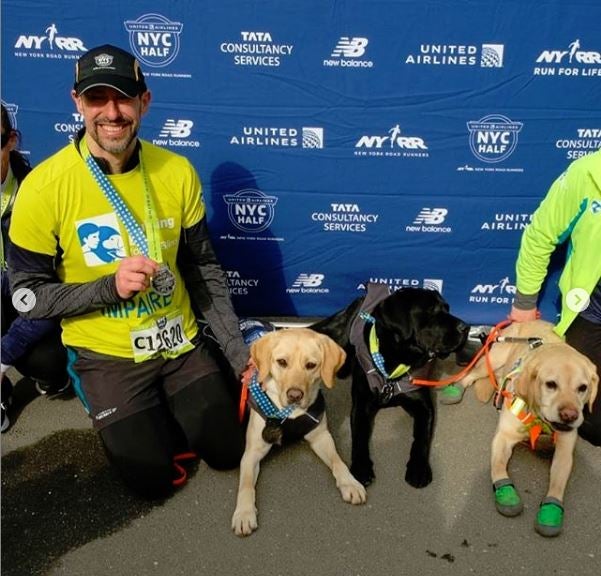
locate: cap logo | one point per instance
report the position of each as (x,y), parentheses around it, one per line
(103,60)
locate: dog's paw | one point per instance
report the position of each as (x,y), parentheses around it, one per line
(418,474)
(244,521)
(364,473)
(353,491)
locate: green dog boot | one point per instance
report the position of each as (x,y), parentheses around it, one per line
(549,520)
(451,394)
(507,499)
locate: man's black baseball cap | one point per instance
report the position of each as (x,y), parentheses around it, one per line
(109,66)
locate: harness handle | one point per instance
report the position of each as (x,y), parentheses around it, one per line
(490,340)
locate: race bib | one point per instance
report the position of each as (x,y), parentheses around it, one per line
(165,337)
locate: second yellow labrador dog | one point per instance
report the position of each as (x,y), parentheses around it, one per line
(544,385)
(287,404)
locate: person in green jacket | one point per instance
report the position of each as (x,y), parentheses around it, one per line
(570,212)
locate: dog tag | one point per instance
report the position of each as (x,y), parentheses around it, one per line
(273,433)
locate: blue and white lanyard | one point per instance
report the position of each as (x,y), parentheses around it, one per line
(123,213)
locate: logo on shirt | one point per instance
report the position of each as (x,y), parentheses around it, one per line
(100,240)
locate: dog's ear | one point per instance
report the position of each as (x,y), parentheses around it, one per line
(333,359)
(260,352)
(594,387)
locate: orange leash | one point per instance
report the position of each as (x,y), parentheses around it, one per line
(490,340)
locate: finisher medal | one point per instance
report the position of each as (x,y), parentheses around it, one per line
(163,281)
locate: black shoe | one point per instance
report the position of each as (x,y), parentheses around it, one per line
(52,388)
(7,399)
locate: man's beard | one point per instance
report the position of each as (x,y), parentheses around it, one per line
(114,146)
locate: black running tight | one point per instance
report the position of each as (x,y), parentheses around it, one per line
(201,418)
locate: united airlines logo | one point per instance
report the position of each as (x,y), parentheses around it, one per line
(308,284)
(154,39)
(433,284)
(279,137)
(487,55)
(312,137)
(571,61)
(492,55)
(348,53)
(250,210)
(430,220)
(493,138)
(49,45)
(395,284)
(507,222)
(176,133)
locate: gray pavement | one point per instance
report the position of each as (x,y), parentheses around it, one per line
(65,513)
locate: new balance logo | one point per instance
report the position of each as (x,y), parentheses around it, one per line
(350,47)
(308,281)
(431,216)
(176,128)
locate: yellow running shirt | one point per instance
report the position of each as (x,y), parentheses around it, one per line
(61,200)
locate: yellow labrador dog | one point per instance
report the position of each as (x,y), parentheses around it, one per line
(287,404)
(544,385)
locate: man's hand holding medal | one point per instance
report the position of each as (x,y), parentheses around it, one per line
(137,273)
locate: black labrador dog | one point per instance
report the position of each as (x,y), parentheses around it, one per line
(391,339)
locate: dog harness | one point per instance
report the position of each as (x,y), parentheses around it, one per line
(384,385)
(506,396)
(292,428)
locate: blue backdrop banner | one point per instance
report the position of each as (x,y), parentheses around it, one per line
(341,141)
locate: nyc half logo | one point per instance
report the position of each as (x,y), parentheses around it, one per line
(154,39)
(493,138)
(100,240)
(250,210)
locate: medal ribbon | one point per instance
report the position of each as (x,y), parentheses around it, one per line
(151,246)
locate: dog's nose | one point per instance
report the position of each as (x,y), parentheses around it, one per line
(294,395)
(568,414)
